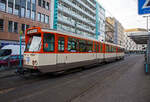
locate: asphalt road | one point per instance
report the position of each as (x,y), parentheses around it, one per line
(122,81)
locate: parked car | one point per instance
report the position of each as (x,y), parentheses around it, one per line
(10,55)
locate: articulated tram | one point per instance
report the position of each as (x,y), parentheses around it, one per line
(53,51)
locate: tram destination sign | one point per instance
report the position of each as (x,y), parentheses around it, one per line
(32,31)
(143,7)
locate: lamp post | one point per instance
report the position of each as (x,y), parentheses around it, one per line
(20,55)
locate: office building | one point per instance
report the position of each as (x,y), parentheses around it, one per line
(100,22)
(18,15)
(75,16)
(109,30)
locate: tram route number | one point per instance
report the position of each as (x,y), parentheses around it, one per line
(32,31)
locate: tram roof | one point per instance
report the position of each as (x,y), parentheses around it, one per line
(140,37)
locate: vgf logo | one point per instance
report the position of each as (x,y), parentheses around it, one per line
(143,7)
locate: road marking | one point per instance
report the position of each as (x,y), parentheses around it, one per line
(6,90)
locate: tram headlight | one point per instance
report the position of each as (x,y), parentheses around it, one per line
(34,63)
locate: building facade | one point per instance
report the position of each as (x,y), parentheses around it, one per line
(100,22)
(109,30)
(79,16)
(18,15)
(119,33)
(83,17)
(130,45)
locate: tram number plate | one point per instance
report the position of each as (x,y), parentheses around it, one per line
(27,59)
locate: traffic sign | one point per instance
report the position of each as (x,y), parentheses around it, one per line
(143,7)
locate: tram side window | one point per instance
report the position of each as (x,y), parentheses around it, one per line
(107,48)
(49,43)
(111,48)
(82,46)
(89,46)
(101,47)
(72,45)
(94,47)
(61,44)
(97,47)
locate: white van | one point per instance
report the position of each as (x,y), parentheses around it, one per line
(15,49)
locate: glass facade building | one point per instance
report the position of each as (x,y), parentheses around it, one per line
(83,17)
(75,16)
(100,22)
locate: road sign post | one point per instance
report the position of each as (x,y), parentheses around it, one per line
(144,8)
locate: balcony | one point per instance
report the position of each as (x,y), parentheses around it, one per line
(91,3)
(78,8)
(87,6)
(65,21)
(85,29)
(75,16)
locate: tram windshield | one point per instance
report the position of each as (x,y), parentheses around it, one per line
(34,43)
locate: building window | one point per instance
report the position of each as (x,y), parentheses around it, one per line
(29,4)
(10,6)
(15,27)
(28,13)
(43,4)
(39,17)
(10,25)
(33,5)
(2,5)
(23,3)
(33,15)
(33,1)
(1,25)
(47,19)
(42,18)
(23,28)
(47,5)
(22,12)
(17,7)
(39,2)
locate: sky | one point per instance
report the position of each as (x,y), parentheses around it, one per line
(125,11)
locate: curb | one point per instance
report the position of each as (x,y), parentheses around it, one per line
(7,73)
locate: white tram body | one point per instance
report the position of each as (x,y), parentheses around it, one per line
(50,54)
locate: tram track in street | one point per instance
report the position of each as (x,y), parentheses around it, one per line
(98,74)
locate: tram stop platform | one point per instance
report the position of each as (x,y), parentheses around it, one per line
(143,38)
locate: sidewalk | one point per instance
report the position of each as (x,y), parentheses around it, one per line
(131,86)
(7,73)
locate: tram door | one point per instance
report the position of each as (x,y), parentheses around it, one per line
(61,56)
